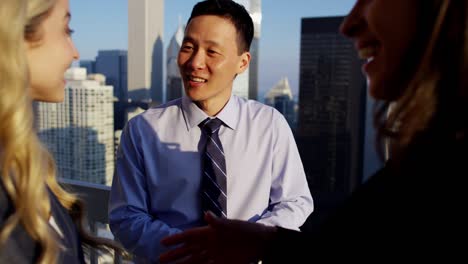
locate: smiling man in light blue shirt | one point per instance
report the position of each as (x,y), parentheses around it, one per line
(157,185)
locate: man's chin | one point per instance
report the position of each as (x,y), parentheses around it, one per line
(194,96)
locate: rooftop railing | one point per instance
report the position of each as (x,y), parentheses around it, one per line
(96,197)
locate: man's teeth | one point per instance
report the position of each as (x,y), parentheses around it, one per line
(367,53)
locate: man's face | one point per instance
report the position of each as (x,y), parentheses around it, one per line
(209,59)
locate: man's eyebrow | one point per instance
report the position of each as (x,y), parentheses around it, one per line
(211,42)
(67,15)
(187,39)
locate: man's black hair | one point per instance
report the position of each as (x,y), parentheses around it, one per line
(232,11)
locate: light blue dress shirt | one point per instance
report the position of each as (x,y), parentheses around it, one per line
(156,186)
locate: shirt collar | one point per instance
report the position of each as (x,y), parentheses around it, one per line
(230,113)
(194,115)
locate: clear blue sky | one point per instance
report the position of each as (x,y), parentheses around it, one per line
(102,24)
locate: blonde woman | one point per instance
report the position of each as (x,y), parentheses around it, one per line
(39,221)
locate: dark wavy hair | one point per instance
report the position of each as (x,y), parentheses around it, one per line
(435,100)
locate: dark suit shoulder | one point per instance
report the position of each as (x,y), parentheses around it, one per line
(19,247)
(6,208)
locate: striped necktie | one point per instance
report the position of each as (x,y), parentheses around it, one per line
(213,191)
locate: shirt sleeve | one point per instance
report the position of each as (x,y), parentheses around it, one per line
(290,199)
(129,206)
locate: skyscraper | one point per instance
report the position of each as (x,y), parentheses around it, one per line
(240,87)
(246,84)
(145,50)
(80,131)
(332,102)
(113,65)
(371,161)
(174,82)
(281,98)
(256,14)
(89,65)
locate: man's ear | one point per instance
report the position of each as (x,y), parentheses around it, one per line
(244,62)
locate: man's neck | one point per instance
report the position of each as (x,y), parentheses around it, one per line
(211,108)
(214,106)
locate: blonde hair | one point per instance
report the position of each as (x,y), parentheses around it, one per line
(439,87)
(27,168)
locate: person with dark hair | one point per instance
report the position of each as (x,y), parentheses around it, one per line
(412,208)
(209,150)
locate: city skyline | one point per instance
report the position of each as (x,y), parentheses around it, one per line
(279,42)
(80,131)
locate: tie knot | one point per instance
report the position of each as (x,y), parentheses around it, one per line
(210,125)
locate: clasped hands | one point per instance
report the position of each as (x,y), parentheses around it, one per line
(220,241)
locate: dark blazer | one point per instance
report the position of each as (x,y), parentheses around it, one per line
(21,248)
(409,210)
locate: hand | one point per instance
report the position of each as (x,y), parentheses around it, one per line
(221,241)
